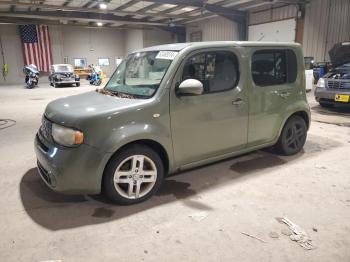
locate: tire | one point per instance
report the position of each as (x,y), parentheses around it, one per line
(98,82)
(293,136)
(55,85)
(77,84)
(127,162)
(31,85)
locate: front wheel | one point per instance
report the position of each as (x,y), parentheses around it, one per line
(133,175)
(293,136)
(77,84)
(30,84)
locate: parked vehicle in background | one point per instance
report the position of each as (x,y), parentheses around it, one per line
(63,74)
(32,76)
(334,87)
(96,76)
(170,108)
(320,69)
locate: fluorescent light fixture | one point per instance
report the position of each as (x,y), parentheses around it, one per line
(168,5)
(187,9)
(99,24)
(103,5)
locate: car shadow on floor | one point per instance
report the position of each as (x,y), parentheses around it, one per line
(336,110)
(56,211)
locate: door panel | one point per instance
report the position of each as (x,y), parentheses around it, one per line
(211,124)
(273,90)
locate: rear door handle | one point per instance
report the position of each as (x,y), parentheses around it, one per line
(284,94)
(238,102)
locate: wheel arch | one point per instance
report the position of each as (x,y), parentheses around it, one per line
(156,146)
(302,113)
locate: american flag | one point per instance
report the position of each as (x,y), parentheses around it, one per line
(36,46)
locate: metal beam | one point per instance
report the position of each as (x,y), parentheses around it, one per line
(90,10)
(170,10)
(233,14)
(149,7)
(67,2)
(255,3)
(70,15)
(126,5)
(89,3)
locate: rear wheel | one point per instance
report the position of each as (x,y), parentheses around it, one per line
(293,136)
(133,175)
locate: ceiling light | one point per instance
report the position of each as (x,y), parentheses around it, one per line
(99,24)
(103,5)
(168,5)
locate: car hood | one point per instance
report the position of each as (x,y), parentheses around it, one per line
(340,54)
(69,111)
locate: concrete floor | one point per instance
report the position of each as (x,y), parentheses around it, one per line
(197,216)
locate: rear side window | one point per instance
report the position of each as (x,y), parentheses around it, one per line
(274,67)
(218,71)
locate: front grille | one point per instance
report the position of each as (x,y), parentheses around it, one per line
(338,84)
(46,129)
(41,143)
(43,172)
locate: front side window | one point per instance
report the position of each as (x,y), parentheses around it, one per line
(218,71)
(274,67)
(141,73)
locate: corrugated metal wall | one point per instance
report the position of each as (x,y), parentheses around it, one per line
(213,29)
(326,22)
(273,14)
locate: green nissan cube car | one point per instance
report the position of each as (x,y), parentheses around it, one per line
(170,108)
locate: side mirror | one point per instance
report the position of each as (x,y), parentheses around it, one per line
(190,87)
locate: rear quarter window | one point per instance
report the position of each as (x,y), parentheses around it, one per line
(274,67)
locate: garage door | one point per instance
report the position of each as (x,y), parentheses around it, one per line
(280,31)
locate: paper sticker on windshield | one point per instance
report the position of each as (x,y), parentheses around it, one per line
(169,55)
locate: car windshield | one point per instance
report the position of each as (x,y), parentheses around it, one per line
(140,74)
(63,68)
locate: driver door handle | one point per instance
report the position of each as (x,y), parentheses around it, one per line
(238,102)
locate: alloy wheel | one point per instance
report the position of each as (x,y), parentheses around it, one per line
(295,136)
(135,176)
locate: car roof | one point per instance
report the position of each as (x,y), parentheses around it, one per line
(208,44)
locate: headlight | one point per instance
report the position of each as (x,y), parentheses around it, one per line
(321,83)
(66,136)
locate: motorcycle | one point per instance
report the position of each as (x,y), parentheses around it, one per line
(95,78)
(32,76)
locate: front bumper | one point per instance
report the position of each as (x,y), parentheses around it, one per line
(70,170)
(69,81)
(325,95)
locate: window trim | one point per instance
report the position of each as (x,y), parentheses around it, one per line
(284,50)
(210,52)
